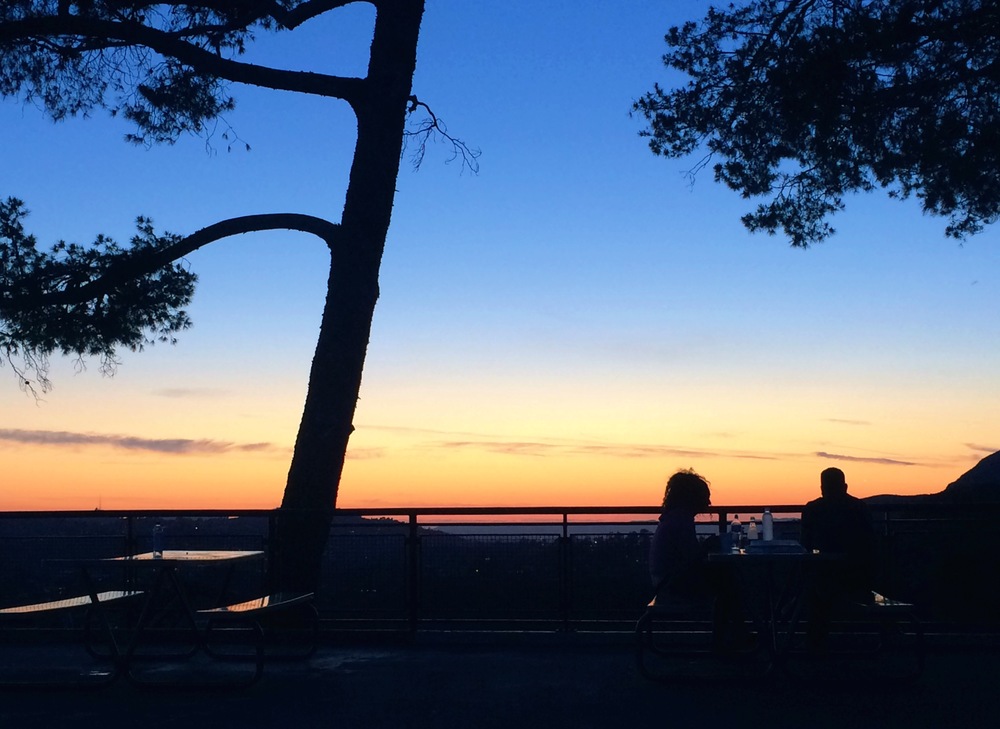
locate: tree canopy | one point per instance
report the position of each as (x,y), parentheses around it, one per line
(804,102)
(166,67)
(91,301)
(38,316)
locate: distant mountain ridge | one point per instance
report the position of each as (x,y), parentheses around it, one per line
(979,485)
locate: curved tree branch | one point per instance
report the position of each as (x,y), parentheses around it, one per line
(147,263)
(287,18)
(114,33)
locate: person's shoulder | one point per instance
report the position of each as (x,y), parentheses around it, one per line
(855,502)
(675,515)
(813,505)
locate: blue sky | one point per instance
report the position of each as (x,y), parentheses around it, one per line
(577,296)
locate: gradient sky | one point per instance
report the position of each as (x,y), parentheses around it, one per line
(567,327)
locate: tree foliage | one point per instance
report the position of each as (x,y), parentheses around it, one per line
(167,67)
(90,301)
(40,315)
(804,102)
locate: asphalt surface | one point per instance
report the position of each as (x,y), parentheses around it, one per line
(543,683)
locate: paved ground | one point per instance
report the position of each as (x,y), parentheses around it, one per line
(546,683)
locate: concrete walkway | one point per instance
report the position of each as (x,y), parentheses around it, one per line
(545,684)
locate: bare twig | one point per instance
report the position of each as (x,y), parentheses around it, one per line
(431,128)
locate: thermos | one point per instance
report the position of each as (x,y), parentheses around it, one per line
(768,523)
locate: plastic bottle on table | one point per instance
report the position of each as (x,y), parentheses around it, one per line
(736,532)
(768,523)
(158,542)
(752,530)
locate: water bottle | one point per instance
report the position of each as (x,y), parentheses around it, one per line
(736,533)
(768,525)
(158,542)
(752,530)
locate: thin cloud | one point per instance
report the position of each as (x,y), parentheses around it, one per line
(614,450)
(365,454)
(174,446)
(863,459)
(407,430)
(540,448)
(638,451)
(521,448)
(987,450)
(846,421)
(183,393)
(495,443)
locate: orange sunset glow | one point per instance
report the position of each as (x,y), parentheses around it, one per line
(569,326)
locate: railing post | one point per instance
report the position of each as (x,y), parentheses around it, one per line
(888,555)
(413,572)
(130,548)
(565,576)
(271,576)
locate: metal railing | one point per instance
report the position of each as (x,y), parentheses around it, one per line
(552,568)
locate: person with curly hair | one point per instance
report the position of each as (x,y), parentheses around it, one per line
(677,559)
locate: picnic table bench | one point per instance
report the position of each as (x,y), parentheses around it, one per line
(674,641)
(69,603)
(228,627)
(263,612)
(882,632)
(95,603)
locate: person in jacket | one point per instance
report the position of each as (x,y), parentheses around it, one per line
(837,524)
(678,566)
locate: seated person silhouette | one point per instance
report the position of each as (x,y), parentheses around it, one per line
(839,524)
(677,563)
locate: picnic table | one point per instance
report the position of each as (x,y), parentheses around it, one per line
(169,629)
(773,578)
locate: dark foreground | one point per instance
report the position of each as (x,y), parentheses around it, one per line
(525,684)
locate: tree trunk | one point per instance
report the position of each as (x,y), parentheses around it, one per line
(303,521)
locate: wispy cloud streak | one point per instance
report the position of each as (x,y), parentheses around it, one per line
(182,393)
(365,454)
(175,446)
(864,459)
(555,447)
(616,450)
(981,449)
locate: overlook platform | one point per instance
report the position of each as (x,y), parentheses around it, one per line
(395,582)
(528,681)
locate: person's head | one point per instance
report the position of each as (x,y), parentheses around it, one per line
(687,490)
(832,482)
